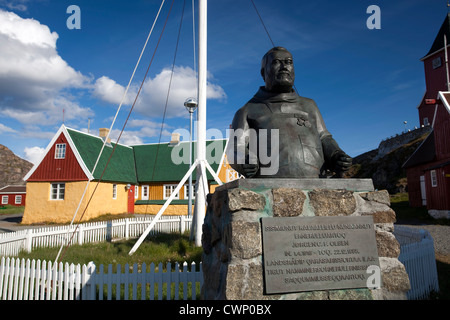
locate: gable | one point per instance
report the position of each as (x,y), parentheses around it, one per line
(52,169)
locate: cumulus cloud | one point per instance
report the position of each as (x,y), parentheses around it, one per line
(184,85)
(33,154)
(110,91)
(152,98)
(32,74)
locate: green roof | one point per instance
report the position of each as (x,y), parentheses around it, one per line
(121,167)
(142,163)
(161,162)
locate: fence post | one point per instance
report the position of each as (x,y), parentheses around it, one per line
(127,226)
(182,224)
(29,240)
(80,234)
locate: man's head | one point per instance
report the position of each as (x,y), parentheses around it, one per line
(277,70)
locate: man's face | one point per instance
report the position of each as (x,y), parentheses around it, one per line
(279,74)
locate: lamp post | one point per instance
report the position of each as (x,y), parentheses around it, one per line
(191,105)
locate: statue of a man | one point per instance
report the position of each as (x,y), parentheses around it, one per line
(305,147)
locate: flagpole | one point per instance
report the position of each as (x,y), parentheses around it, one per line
(200,196)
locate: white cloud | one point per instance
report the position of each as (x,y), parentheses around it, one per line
(184,85)
(33,154)
(110,91)
(32,74)
(15,4)
(6,129)
(152,98)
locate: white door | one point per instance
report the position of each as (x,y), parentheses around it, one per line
(144,193)
(423,190)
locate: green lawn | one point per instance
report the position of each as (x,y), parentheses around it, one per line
(161,248)
(9,209)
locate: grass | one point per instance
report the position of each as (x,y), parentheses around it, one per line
(9,209)
(160,248)
(400,204)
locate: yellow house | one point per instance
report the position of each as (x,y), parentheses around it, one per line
(127,179)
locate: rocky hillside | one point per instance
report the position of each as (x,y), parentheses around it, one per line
(384,164)
(12,168)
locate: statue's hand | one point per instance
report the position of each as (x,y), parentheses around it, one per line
(341,162)
(250,170)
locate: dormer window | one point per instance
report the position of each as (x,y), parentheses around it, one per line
(60,151)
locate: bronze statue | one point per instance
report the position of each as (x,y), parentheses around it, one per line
(305,148)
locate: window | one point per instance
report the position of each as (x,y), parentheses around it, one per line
(4,199)
(18,199)
(114,191)
(436,62)
(433,178)
(60,151)
(57,191)
(425,121)
(136,192)
(168,190)
(144,192)
(186,191)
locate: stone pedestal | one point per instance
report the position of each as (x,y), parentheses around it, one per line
(232,237)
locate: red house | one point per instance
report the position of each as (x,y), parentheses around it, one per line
(13,195)
(428,168)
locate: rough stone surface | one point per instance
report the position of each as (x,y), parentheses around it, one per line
(355,294)
(332,202)
(381,196)
(245,239)
(393,275)
(287,202)
(239,199)
(387,244)
(247,280)
(380,211)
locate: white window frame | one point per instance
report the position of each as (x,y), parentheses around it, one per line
(60,151)
(186,193)
(167,191)
(114,195)
(433,176)
(5,201)
(145,189)
(18,199)
(136,192)
(59,195)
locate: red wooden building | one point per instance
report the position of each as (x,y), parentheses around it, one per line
(428,168)
(13,195)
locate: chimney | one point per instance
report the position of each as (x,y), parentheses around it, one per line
(103,133)
(175,139)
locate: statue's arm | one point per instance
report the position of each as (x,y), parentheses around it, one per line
(238,153)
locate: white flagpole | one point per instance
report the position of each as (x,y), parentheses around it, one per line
(200,196)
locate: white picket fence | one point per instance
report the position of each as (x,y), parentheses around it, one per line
(12,243)
(418,257)
(41,280)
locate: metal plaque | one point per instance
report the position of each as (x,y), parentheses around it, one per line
(318,253)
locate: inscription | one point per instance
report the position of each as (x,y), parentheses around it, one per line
(317,253)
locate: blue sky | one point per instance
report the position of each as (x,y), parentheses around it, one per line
(365,82)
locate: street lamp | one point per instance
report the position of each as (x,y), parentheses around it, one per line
(190,104)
